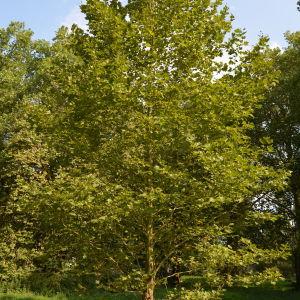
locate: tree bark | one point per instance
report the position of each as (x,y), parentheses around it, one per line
(149,293)
(150,285)
(296,195)
(297,246)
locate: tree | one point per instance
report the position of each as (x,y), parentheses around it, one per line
(279,118)
(153,165)
(20,145)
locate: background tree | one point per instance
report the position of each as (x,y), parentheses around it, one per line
(279,118)
(21,150)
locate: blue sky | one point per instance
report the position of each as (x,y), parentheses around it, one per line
(272,17)
(42,16)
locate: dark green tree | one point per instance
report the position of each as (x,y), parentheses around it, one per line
(21,148)
(279,118)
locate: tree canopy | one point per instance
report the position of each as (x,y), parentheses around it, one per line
(126,151)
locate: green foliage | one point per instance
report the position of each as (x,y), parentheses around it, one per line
(19,151)
(128,159)
(278,118)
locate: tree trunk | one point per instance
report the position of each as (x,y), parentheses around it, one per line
(150,285)
(297,246)
(296,195)
(149,293)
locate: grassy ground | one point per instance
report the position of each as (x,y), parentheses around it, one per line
(261,294)
(159,295)
(266,293)
(29,296)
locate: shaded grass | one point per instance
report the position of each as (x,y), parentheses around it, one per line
(12,294)
(280,292)
(261,294)
(95,296)
(98,296)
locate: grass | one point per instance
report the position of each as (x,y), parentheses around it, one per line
(102,296)
(94,296)
(281,292)
(262,294)
(30,296)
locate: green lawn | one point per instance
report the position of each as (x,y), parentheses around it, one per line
(25,296)
(96,296)
(279,293)
(103,296)
(261,294)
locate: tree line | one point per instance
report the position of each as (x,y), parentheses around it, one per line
(155,144)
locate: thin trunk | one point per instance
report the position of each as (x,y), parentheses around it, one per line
(150,285)
(149,293)
(297,248)
(296,195)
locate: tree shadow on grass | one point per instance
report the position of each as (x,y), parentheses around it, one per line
(28,296)
(261,294)
(96,296)
(17,298)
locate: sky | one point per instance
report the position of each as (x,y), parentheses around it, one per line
(44,17)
